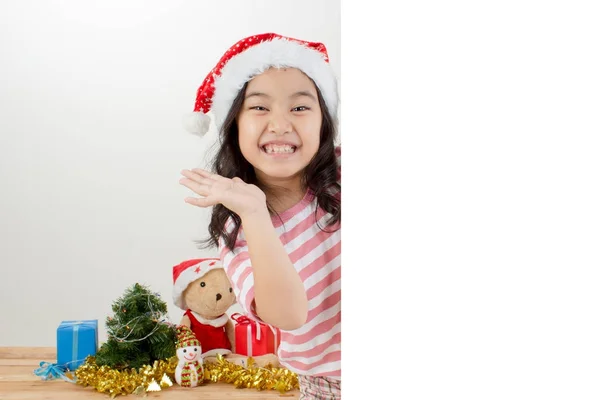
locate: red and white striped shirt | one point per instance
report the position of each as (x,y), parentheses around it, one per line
(315,348)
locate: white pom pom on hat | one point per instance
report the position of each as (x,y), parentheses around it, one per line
(197,123)
(252,56)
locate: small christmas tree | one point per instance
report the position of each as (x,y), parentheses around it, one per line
(137,334)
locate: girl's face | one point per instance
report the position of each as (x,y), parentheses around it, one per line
(279,124)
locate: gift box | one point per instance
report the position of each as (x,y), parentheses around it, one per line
(253,338)
(75,340)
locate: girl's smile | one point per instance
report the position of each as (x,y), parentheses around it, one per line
(279,148)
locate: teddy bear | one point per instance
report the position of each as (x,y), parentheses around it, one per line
(202,289)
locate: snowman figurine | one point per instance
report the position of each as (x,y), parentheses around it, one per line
(189,371)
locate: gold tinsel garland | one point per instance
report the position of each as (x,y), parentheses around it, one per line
(252,376)
(116,382)
(161,374)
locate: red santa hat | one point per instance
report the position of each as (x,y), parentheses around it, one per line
(252,56)
(187,272)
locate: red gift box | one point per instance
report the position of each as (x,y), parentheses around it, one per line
(253,338)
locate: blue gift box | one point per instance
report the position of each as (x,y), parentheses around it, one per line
(75,340)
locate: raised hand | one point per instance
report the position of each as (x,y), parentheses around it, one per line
(238,196)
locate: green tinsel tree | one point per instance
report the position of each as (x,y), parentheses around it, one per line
(137,333)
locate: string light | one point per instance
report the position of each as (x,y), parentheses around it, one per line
(132,323)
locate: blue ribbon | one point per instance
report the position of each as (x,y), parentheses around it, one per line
(50,371)
(74,351)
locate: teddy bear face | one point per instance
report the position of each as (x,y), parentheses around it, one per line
(211,295)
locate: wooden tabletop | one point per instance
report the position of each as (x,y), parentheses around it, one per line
(17,381)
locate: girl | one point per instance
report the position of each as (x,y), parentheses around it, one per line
(276,195)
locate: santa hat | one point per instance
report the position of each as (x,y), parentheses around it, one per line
(186,338)
(252,56)
(187,272)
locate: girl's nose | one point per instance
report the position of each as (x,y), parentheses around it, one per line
(279,124)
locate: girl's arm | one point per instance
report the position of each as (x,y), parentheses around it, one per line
(279,294)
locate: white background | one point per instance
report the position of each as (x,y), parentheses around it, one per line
(92,96)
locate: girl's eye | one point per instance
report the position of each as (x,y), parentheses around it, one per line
(301,108)
(258,108)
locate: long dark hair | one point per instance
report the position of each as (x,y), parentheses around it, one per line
(320,175)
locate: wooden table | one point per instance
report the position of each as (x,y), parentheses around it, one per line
(17,381)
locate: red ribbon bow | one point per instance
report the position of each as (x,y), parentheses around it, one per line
(244,320)
(241,319)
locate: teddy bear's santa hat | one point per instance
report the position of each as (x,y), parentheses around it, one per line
(187,272)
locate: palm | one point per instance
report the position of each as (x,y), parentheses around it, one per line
(235,194)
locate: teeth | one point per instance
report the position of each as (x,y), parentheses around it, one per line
(286,148)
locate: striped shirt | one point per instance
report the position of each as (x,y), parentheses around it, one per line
(315,348)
